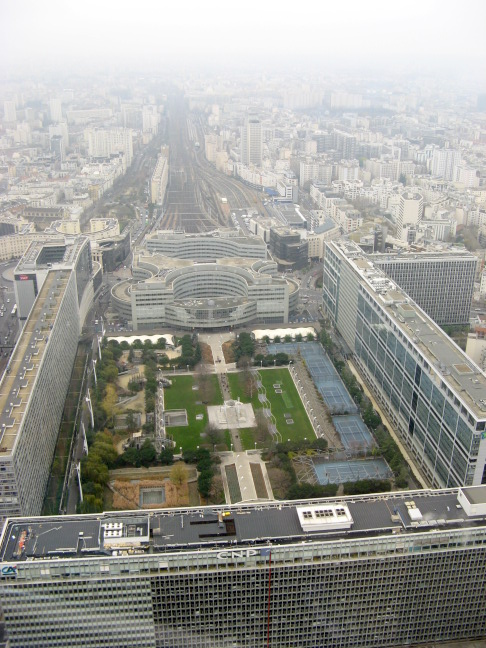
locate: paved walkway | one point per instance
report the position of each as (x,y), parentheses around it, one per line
(215,341)
(225,391)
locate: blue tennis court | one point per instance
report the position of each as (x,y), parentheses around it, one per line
(323,373)
(353,432)
(338,472)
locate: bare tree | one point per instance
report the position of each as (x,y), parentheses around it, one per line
(262,435)
(280,481)
(178,474)
(204,382)
(216,494)
(247,378)
(212,434)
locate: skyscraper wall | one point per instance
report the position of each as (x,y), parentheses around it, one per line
(433,394)
(370,571)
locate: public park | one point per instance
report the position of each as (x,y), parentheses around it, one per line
(182,421)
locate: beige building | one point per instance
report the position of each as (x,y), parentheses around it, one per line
(160,176)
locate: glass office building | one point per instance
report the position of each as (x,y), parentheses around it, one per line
(434,395)
(382,570)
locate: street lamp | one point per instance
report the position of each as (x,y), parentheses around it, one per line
(255,445)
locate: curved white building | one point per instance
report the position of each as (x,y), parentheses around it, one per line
(205,246)
(215,294)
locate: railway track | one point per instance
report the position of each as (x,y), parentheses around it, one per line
(195,187)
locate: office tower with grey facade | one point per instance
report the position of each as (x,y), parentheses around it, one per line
(432,393)
(441,283)
(381,570)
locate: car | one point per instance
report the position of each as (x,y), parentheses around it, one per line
(8,301)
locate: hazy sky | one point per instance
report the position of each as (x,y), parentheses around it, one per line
(263,34)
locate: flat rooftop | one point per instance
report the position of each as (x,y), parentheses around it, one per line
(451,364)
(68,248)
(430,254)
(21,372)
(237,236)
(239,525)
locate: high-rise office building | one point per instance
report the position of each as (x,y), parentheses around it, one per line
(433,394)
(288,249)
(371,571)
(441,283)
(35,382)
(252,142)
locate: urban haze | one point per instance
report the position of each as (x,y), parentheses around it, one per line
(242,324)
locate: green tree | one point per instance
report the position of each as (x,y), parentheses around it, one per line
(147,453)
(91,504)
(130,457)
(370,417)
(204,483)
(166,457)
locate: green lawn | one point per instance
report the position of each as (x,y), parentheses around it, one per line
(182,396)
(288,402)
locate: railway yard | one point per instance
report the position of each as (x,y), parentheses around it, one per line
(196,189)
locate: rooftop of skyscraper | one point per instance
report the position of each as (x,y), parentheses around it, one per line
(242,525)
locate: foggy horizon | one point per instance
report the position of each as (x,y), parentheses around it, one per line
(413,38)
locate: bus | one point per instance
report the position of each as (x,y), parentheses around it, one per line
(14,310)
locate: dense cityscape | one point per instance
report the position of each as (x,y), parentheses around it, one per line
(242,336)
